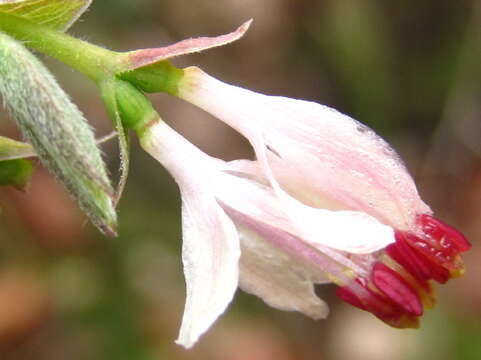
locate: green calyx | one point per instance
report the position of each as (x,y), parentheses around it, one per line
(157,77)
(129,109)
(134,108)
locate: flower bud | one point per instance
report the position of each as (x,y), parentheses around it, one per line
(57,130)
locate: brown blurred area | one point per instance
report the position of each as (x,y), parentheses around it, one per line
(408,69)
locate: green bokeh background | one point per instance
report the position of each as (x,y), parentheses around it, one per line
(409,69)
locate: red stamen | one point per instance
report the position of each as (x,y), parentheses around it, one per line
(447,236)
(398,286)
(378,304)
(440,244)
(414,262)
(397,289)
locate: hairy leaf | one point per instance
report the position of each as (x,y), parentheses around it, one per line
(57,131)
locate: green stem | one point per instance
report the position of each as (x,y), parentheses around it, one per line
(91,60)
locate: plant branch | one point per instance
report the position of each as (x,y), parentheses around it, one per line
(91,60)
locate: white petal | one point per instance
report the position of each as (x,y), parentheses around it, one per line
(211,249)
(276,278)
(257,207)
(351,231)
(210,255)
(321,151)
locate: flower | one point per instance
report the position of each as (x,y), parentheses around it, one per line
(315,157)
(327,201)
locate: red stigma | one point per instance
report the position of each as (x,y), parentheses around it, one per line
(399,287)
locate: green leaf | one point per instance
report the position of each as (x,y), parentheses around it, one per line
(57,131)
(57,14)
(11,149)
(15,173)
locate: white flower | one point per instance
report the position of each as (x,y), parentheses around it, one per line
(327,200)
(241,229)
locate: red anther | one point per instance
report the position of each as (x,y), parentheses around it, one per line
(379,305)
(418,265)
(364,298)
(408,258)
(440,245)
(397,289)
(445,234)
(399,286)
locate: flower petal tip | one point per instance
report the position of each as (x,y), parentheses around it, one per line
(185,343)
(241,30)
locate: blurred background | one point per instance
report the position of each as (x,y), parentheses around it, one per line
(409,69)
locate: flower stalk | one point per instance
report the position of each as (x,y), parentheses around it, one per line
(91,60)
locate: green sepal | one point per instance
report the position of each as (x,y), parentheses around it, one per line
(56,14)
(129,109)
(107,89)
(15,173)
(157,77)
(134,108)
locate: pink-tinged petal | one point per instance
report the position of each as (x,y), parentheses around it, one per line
(321,265)
(140,58)
(314,148)
(211,249)
(210,254)
(275,277)
(246,199)
(351,231)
